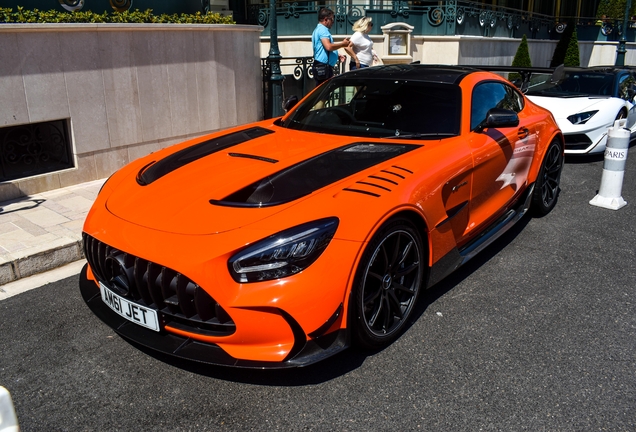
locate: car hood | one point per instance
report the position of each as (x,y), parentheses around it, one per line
(230,180)
(564,107)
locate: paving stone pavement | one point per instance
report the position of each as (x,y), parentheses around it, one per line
(43,231)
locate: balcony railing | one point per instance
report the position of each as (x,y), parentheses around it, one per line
(434,18)
(441,18)
(298,78)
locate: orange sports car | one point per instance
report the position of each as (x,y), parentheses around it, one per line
(282,242)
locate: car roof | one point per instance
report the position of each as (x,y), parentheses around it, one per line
(414,72)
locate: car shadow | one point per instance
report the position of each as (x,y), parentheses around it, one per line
(577,159)
(20,205)
(349,359)
(434,293)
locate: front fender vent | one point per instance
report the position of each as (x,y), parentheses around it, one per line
(180,302)
(380,183)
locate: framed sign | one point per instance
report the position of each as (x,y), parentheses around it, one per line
(397,44)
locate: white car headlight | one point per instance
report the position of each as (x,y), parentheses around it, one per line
(581,118)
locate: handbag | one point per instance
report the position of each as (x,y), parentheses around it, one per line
(321,70)
(376,60)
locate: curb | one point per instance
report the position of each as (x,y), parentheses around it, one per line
(41,262)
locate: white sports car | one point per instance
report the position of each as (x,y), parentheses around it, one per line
(585,102)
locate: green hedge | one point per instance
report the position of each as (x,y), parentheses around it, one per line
(614,9)
(7,15)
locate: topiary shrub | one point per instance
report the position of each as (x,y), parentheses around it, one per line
(572,56)
(521,59)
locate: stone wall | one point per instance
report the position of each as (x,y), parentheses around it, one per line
(125,89)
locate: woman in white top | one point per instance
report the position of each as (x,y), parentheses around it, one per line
(361,51)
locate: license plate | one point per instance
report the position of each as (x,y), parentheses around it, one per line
(131,311)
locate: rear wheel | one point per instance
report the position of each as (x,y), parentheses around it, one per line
(387,284)
(546,188)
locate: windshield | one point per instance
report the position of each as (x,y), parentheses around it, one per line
(380,109)
(573,84)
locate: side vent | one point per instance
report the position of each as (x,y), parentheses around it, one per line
(380,183)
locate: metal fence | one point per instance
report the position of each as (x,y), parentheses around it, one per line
(441,18)
(299,78)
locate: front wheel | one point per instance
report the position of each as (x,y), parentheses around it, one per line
(621,115)
(387,284)
(546,188)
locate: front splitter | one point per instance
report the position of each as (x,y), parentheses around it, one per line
(193,350)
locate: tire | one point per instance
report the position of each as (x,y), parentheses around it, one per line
(621,115)
(387,284)
(546,188)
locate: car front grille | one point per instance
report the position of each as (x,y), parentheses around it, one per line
(180,302)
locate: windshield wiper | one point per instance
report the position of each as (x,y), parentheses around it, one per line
(420,135)
(557,93)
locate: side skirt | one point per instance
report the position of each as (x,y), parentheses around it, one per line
(460,256)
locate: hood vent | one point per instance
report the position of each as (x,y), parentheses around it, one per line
(308,176)
(378,184)
(155,171)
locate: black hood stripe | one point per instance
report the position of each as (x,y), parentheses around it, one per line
(196,152)
(313,174)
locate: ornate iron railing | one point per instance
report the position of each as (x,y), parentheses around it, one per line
(299,78)
(33,149)
(450,17)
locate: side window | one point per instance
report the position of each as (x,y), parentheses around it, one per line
(493,95)
(626,86)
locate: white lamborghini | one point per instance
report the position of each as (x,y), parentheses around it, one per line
(585,102)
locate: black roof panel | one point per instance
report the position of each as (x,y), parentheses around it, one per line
(416,72)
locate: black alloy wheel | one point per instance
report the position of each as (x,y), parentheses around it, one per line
(387,285)
(546,189)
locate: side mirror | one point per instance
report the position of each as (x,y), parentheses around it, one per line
(500,118)
(290,102)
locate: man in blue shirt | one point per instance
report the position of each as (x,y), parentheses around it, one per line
(325,50)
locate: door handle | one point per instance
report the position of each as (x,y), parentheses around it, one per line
(523,132)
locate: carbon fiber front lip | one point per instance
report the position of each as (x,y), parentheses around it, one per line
(189,349)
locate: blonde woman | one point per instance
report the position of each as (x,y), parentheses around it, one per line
(361,51)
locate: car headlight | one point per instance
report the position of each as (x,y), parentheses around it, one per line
(283,254)
(581,118)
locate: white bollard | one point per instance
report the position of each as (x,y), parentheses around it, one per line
(609,194)
(8,419)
